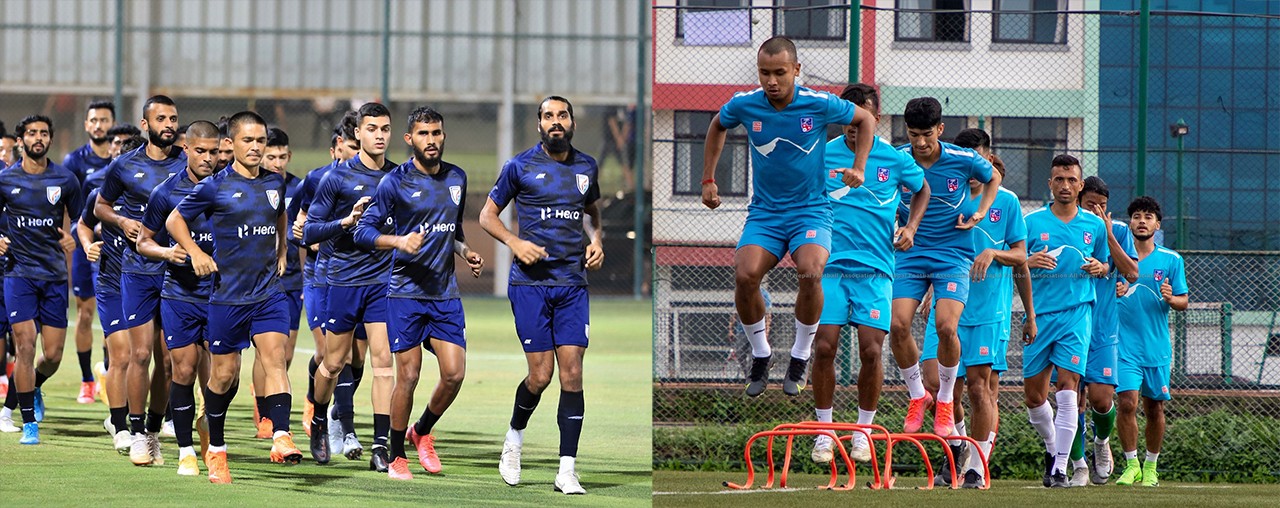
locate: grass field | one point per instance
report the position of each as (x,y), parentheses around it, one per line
(76,464)
(697,489)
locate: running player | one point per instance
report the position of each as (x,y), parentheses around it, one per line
(118,134)
(789,213)
(553,186)
(9,147)
(1145,354)
(245,209)
(423,200)
(1067,251)
(857,283)
(39,198)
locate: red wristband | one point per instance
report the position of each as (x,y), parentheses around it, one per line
(709,180)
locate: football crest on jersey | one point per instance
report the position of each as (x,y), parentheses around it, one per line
(806,123)
(882,174)
(994,215)
(273,197)
(1088,238)
(287,202)
(455,193)
(1159,275)
(53,193)
(583,182)
(953,184)
(757,126)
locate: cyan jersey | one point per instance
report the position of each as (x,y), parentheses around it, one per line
(313,269)
(1067,285)
(787,146)
(550,198)
(1145,327)
(129,180)
(991,298)
(243,213)
(292,279)
(937,238)
(84,163)
(34,208)
(430,204)
(180,281)
(347,264)
(112,252)
(862,230)
(1105,318)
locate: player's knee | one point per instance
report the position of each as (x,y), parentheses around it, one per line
(1127,406)
(183,373)
(452,379)
(140,355)
(384,372)
(824,350)
(1033,400)
(538,381)
(747,281)
(408,377)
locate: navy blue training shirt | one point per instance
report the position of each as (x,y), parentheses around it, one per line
(347,264)
(180,281)
(35,206)
(129,180)
(113,247)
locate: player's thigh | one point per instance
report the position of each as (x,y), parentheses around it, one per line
(571,316)
(230,329)
(193,319)
(950,280)
(837,302)
(406,324)
(870,298)
(1070,330)
(140,298)
(532,310)
(910,281)
(805,228)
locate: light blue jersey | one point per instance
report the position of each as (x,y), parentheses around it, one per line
(862,231)
(991,298)
(1105,319)
(787,146)
(948,180)
(1145,328)
(1067,285)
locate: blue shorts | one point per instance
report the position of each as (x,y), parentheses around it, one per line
(550,316)
(45,301)
(1152,381)
(858,299)
(983,344)
(4,315)
(349,306)
(1062,341)
(783,233)
(231,327)
(295,309)
(1002,360)
(109,313)
(914,274)
(1102,365)
(188,322)
(314,298)
(414,321)
(83,273)
(140,298)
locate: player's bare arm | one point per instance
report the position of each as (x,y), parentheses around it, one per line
(201,262)
(1022,282)
(989,191)
(148,247)
(525,251)
(473,259)
(595,249)
(711,150)
(906,235)
(105,213)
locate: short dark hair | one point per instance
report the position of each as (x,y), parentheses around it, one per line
(222,127)
(21,130)
(862,93)
(424,114)
(277,137)
(556,98)
(242,118)
(1095,185)
(1065,160)
(973,138)
(779,44)
(163,100)
(3,132)
(333,138)
(124,128)
(107,105)
(132,143)
(1145,204)
(372,109)
(203,129)
(923,113)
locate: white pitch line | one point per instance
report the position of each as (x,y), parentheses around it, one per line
(721,492)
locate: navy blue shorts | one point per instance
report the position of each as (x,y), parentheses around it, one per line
(314,298)
(140,298)
(348,307)
(550,316)
(231,327)
(83,273)
(4,315)
(42,300)
(188,322)
(295,309)
(414,321)
(109,313)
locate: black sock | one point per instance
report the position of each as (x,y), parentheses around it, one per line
(526,402)
(106,359)
(357,375)
(397,443)
(28,402)
(11,398)
(425,423)
(182,398)
(120,418)
(40,379)
(137,423)
(277,409)
(569,416)
(321,416)
(381,429)
(215,412)
(86,372)
(4,359)
(311,380)
(260,402)
(155,421)
(344,400)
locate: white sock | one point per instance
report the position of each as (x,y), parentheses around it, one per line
(566,464)
(1042,419)
(824,415)
(216,449)
(975,461)
(1151,457)
(1065,425)
(803,346)
(911,375)
(961,430)
(1131,455)
(946,382)
(1101,442)
(1078,464)
(866,417)
(279,433)
(759,339)
(186,451)
(6,413)
(515,436)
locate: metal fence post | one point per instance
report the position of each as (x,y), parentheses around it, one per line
(637,129)
(855,31)
(386,52)
(1227,376)
(1144,34)
(118,88)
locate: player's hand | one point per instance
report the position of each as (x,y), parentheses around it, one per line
(1101,213)
(474,261)
(202,264)
(926,305)
(92,251)
(4,245)
(1042,260)
(297,228)
(853,177)
(68,244)
(357,211)
(176,255)
(282,264)
(905,238)
(964,224)
(527,252)
(131,228)
(1029,330)
(1166,291)
(980,265)
(1094,267)
(410,243)
(595,256)
(710,195)
(1122,288)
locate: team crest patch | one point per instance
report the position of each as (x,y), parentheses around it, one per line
(836,173)
(951,286)
(1088,238)
(994,215)
(882,174)
(583,182)
(1159,275)
(53,194)
(953,184)
(984,351)
(810,234)
(1044,237)
(1164,389)
(806,123)
(1106,371)
(273,197)
(455,193)
(875,313)
(1075,360)
(757,126)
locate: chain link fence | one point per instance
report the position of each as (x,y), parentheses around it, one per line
(1041,83)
